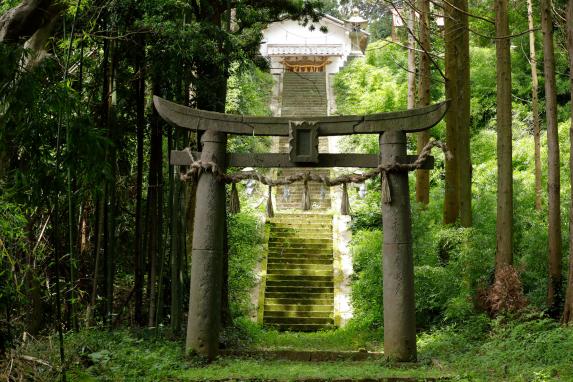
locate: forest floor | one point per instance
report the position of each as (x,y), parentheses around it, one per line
(533,349)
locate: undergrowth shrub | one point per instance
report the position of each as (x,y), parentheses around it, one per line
(367,277)
(245,247)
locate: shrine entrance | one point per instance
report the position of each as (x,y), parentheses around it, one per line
(208,168)
(305,65)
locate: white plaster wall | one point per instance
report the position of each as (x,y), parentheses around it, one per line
(292,33)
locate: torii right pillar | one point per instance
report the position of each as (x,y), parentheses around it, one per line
(398,262)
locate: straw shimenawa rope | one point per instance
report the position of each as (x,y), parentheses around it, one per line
(197,167)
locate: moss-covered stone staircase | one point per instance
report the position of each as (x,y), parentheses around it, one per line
(299,293)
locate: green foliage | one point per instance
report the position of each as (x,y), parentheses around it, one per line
(12,244)
(245,234)
(367,277)
(533,349)
(249,91)
(363,88)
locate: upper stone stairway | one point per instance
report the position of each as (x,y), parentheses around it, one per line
(304,94)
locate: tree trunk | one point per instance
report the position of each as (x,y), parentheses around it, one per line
(504,222)
(111,202)
(35,314)
(452,34)
(411,61)
(535,105)
(98,234)
(554,289)
(155,210)
(176,248)
(568,307)
(226,318)
(424,98)
(463,115)
(138,253)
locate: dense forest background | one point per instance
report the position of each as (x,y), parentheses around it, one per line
(93,219)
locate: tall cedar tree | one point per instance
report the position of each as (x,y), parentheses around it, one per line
(568,308)
(411,20)
(504,222)
(554,288)
(458,169)
(424,98)
(535,104)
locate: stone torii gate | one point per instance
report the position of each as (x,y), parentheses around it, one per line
(208,234)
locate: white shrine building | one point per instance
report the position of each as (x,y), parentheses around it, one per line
(292,47)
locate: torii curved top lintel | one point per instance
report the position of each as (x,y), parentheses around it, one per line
(409,121)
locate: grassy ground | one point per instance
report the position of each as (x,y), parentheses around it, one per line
(535,349)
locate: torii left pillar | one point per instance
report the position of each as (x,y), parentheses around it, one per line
(398,261)
(207,254)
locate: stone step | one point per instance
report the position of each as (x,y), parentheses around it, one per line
(311,297)
(297,223)
(317,103)
(317,301)
(297,207)
(315,198)
(302,241)
(278,249)
(305,77)
(305,259)
(305,114)
(298,278)
(303,109)
(302,272)
(300,283)
(301,257)
(296,192)
(298,308)
(279,233)
(288,252)
(294,261)
(314,103)
(277,258)
(274,267)
(299,327)
(295,88)
(300,320)
(276,314)
(299,289)
(294,84)
(309,216)
(317,233)
(301,218)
